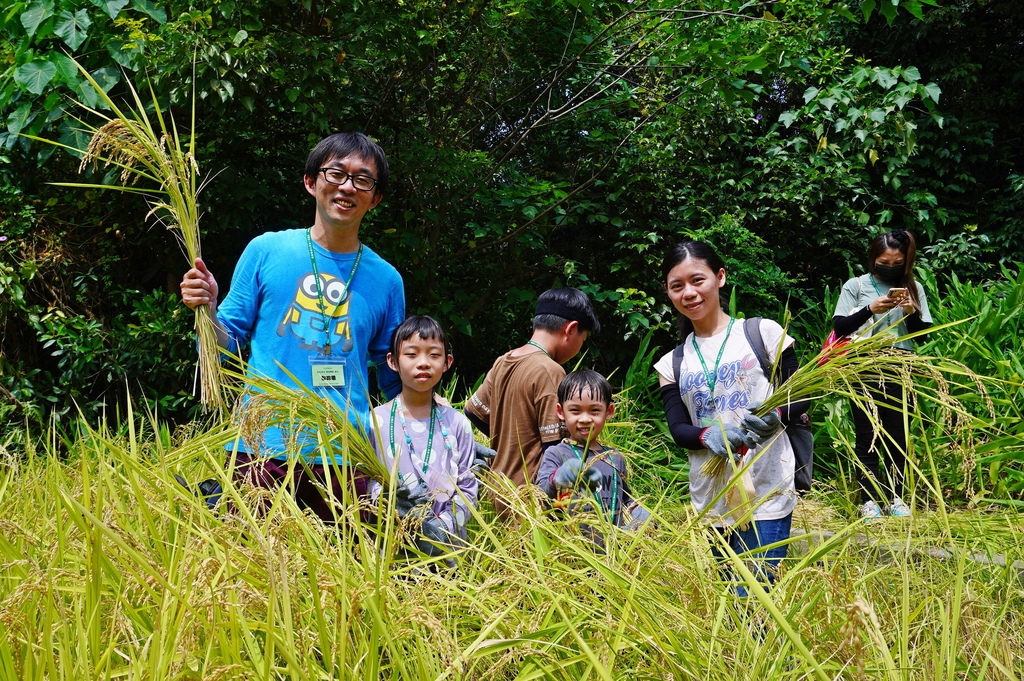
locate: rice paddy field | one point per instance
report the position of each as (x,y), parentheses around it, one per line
(111,570)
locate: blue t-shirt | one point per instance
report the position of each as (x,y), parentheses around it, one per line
(273,308)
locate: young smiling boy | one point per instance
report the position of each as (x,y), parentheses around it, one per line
(580,470)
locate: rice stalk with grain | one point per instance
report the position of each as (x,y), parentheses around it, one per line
(158,163)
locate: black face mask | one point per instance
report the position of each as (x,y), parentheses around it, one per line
(890,274)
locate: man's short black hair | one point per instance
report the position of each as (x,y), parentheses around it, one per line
(426,327)
(342,144)
(582,381)
(558,306)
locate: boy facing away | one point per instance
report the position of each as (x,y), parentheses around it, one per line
(580,472)
(516,405)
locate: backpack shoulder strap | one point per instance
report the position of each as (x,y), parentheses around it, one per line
(752,330)
(677,359)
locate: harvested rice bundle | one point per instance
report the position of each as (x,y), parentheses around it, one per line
(157,156)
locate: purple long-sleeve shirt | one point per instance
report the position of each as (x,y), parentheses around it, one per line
(447,475)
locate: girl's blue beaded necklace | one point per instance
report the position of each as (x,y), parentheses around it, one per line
(434,415)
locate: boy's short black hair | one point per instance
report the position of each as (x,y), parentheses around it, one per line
(426,327)
(578,382)
(558,306)
(342,144)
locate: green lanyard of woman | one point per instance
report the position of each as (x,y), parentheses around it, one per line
(597,496)
(889,313)
(712,376)
(319,290)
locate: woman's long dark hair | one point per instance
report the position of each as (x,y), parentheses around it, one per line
(902,241)
(680,252)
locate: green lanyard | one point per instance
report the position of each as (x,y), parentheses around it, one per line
(887,314)
(712,376)
(319,290)
(538,345)
(597,496)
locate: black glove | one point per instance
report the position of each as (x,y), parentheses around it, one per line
(714,440)
(482,461)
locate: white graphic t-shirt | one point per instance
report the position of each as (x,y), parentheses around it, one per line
(738,382)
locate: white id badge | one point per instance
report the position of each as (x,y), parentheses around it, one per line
(328,372)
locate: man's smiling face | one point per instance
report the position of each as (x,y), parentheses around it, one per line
(342,207)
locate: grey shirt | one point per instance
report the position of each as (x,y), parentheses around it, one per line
(860,291)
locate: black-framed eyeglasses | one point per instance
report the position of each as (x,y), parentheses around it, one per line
(339,177)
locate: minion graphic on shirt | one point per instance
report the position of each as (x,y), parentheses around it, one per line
(305,319)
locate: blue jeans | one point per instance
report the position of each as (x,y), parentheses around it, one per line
(764,564)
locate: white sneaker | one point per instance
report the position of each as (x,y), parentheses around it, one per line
(898,509)
(869,510)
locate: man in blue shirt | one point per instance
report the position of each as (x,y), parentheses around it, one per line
(316,303)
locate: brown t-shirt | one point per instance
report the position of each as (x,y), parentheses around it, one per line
(517,402)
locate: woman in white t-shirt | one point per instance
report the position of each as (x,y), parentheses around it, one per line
(708,390)
(886,296)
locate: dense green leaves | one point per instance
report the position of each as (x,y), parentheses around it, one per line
(531,145)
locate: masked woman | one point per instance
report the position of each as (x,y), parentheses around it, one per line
(871,303)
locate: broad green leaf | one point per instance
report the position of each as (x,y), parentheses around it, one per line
(72,135)
(87,94)
(932,90)
(809,94)
(111,7)
(17,120)
(885,78)
(240,37)
(106,77)
(154,11)
(914,7)
(888,10)
(911,74)
(67,71)
(125,57)
(867,7)
(35,75)
(37,12)
(756,63)
(787,118)
(73,28)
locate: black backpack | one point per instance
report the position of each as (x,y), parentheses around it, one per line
(801,438)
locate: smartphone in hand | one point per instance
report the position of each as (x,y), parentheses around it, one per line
(897,293)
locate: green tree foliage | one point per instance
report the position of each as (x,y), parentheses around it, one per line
(532,144)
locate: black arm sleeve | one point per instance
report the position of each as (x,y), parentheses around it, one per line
(915,323)
(788,364)
(480,425)
(685,434)
(845,326)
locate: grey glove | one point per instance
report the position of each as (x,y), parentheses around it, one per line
(482,461)
(714,440)
(406,499)
(638,516)
(762,426)
(571,473)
